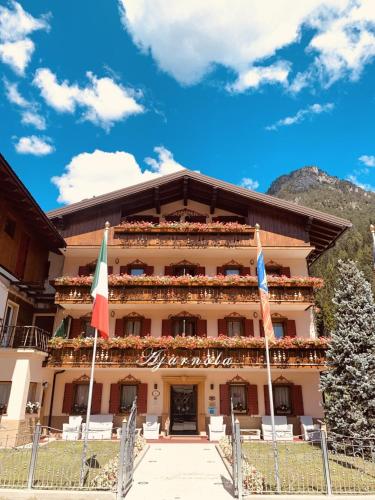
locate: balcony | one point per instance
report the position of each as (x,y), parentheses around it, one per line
(184,235)
(187,289)
(188,352)
(24,337)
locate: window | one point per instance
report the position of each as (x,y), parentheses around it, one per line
(10,227)
(4,396)
(88,330)
(184,326)
(184,270)
(230,271)
(238,395)
(133,326)
(81,395)
(235,327)
(282,399)
(31,396)
(128,395)
(279,329)
(137,271)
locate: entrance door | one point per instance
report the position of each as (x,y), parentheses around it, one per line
(183,409)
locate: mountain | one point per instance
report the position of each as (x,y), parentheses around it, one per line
(314,188)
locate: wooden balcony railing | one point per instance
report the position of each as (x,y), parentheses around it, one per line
(71,356)
(185,235)
(24,337)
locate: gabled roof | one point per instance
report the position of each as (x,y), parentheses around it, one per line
(323,228)
(13,189)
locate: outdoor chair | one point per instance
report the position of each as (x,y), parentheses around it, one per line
(151,427)
(284,431)
(216,428)
(100,427)
(309,430)
(72,430)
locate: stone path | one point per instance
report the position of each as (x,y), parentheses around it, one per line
(189,471)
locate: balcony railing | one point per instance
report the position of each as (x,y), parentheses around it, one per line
(185,235)
(70,354)
(24,337)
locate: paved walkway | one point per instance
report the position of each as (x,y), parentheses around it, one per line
(189,471)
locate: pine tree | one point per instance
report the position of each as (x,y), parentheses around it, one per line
(349,382)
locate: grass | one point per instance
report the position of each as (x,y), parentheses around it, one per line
(58,464)
(301,468)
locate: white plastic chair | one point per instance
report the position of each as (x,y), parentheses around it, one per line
(151,428)
(309,430)
(216,428)
(284,431)
(72,430)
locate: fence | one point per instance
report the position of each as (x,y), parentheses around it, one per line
(43,460)
(324,465)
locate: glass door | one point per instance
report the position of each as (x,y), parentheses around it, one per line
(184,409)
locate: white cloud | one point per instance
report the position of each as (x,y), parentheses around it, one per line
(368,160)
(258,75)
(33,145)
(103,101)
(362,185)
(29,110)
(248,183)
(244,34)
(301,115)
(92,174)
(16,24)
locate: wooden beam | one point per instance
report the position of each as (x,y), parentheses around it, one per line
(185,190)
(157,199)
(213,200)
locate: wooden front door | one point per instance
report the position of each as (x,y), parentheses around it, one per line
(183,418)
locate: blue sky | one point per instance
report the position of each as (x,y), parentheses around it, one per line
(99,95)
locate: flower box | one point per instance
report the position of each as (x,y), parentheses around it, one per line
(183,227)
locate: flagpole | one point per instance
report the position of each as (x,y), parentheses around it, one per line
(89,399)
(270,397)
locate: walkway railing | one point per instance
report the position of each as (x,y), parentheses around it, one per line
(24,337)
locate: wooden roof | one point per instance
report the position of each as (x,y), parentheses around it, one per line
(14,191)
(185,184)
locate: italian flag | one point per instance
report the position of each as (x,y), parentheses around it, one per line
(99,292)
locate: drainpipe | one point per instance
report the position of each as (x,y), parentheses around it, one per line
(52,397)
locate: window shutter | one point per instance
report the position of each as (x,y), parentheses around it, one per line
(261,328)
(222,327)
(168,271)
(96,398)
(146,327)
(224,399)
(285,271)
(249,328)
(124,270)
(114,398)
(202,328)
(83,271)
(75,328)
(245,271)
(68,398)
(252,400)
(291,328)
(119,327)
(142,398)
(166,327)
(149,270)
(110,269)
(297,400)
(266,400)
(220,270)
(201,271)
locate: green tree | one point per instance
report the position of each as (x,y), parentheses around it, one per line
(349,382)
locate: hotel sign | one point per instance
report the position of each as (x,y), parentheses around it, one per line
(156,359)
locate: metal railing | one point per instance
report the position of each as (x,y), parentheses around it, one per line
(24,337)
(126,455)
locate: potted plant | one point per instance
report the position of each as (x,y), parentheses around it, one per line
(32,407)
